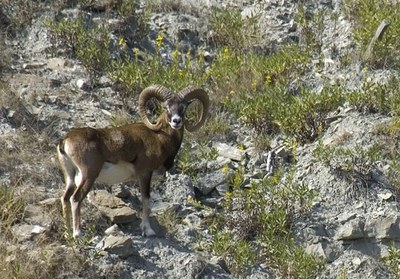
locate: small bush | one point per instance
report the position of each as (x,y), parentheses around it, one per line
(134,75)
(356,165)
(367,15)
(262,213)
(11,209)
(275,110)
(392,260)
(381,98)
(89,45)
(229,29)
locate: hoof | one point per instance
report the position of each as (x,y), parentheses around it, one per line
(147,230)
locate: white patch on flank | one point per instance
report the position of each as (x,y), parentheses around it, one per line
(116,173)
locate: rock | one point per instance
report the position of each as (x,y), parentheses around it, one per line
(83,84)
(230,152)
(383,227)
(57,64)
(352,229)
(210,181)
(24,232)
(33,65)
(120,191)
(324,249)
(112,207)
(119,245)
(177,188)
(113,230)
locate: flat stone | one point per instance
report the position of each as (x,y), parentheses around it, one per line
(112,207)
(33,65)
(57,64)
(24,232)
(230,152)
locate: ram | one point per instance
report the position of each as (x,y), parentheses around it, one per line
(120,154)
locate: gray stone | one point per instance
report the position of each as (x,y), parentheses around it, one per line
(177,188)
(33,65)
(383,227)
(352,229)
(57,64)
(120,191)
(82,84)
(210,181)
(119,245)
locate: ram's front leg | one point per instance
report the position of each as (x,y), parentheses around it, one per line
(144,183)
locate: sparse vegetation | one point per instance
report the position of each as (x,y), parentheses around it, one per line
(354,164)
(392,260)
(89,45)
(257,218)
(231,30)
(375,97)
(259,88)
(367,15)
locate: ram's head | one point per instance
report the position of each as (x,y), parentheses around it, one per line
(175,105)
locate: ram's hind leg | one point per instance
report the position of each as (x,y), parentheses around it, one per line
(68,170)
(144,183)
(84,183)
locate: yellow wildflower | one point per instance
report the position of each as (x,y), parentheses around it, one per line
(159,40)
(122,42)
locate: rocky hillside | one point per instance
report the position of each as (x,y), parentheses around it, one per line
(295,174)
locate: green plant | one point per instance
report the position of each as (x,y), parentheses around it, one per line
(134,75)
(216,127)
(305,119)
(230,29)
(170,220)
(274,110)
(185,161)
(11,209)
(312,27)
(392,260)
(381,98)
(367,15)
(355,164)
(239,254)
(89,45)
(259,216)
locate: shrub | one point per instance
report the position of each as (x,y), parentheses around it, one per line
(134,74)
(392,260)
(262,213)
(89,45)
(275,110)
(11,209)
(381,98)
(367,15)
(229,29)
(355,164)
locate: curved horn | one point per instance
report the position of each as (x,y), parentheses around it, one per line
(190,93)
(159,92)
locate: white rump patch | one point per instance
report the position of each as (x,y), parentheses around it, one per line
(116,173)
